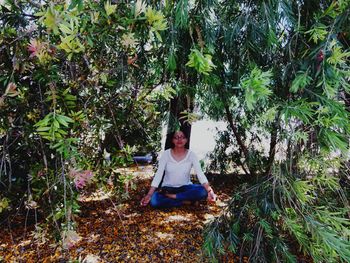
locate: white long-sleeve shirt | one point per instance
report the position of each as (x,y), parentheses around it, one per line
(178,173)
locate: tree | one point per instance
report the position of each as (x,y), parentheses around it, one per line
(280,76)
(78,83)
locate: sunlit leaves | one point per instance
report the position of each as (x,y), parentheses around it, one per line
(78,116)
(296,229)
(50,18)
(335,8)
(165,92)
(321,170)
(156,20)
(334,140)
(70,42)
(140,7)
(303,190)
(329,238)
(268,116)
(40,50)
(338,56)
(129,40)
(256,87)
(109,8)
(4,204)
(4,3)
(318,32)
(189,117)
(153,16)
(201,62)
(334,218)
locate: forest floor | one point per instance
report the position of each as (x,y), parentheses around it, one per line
(111,230)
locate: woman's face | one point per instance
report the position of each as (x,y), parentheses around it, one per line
(179,139)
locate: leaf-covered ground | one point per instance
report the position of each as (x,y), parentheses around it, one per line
(119,231)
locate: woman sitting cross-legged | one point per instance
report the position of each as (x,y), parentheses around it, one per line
(177,188)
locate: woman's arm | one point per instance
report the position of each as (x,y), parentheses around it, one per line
(160,171)
(198,170)
(202,178)
(156,180)
(210,191)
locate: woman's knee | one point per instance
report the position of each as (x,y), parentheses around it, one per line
(202,192)
(155,203)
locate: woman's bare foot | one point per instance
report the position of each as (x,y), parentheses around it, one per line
(172,196)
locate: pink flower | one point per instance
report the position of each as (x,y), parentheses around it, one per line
(35,47)
(41,50)
(81,178)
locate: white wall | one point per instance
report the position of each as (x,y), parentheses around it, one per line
(202,136)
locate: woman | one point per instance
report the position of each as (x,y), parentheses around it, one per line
(177,188)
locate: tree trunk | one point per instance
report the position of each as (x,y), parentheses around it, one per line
(178,105)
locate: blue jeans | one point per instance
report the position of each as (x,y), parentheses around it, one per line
(191,192)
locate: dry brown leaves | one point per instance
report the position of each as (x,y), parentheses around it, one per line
(123,232)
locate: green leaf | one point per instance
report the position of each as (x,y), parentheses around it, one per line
(303,190)
(65,29)
(41,129)
(318,32)
(171,65)
(64,120)
(50,18)
(334,140)
(109,8)
(201,62)
(76,3)
(338,56)
(181,14)
(157,21)
(300,82)
(256,87)
(301,110)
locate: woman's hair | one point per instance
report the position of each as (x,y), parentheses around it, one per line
(170,136)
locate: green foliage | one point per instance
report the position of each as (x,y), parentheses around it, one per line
(300,82)
(256,87)
(4,204)
(266,213)
(318,32)
(288,128)
(201,62)
(77,80)
(109,8)
(53,126)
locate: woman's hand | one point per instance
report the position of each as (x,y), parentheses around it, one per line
(211,196)
(145,201)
